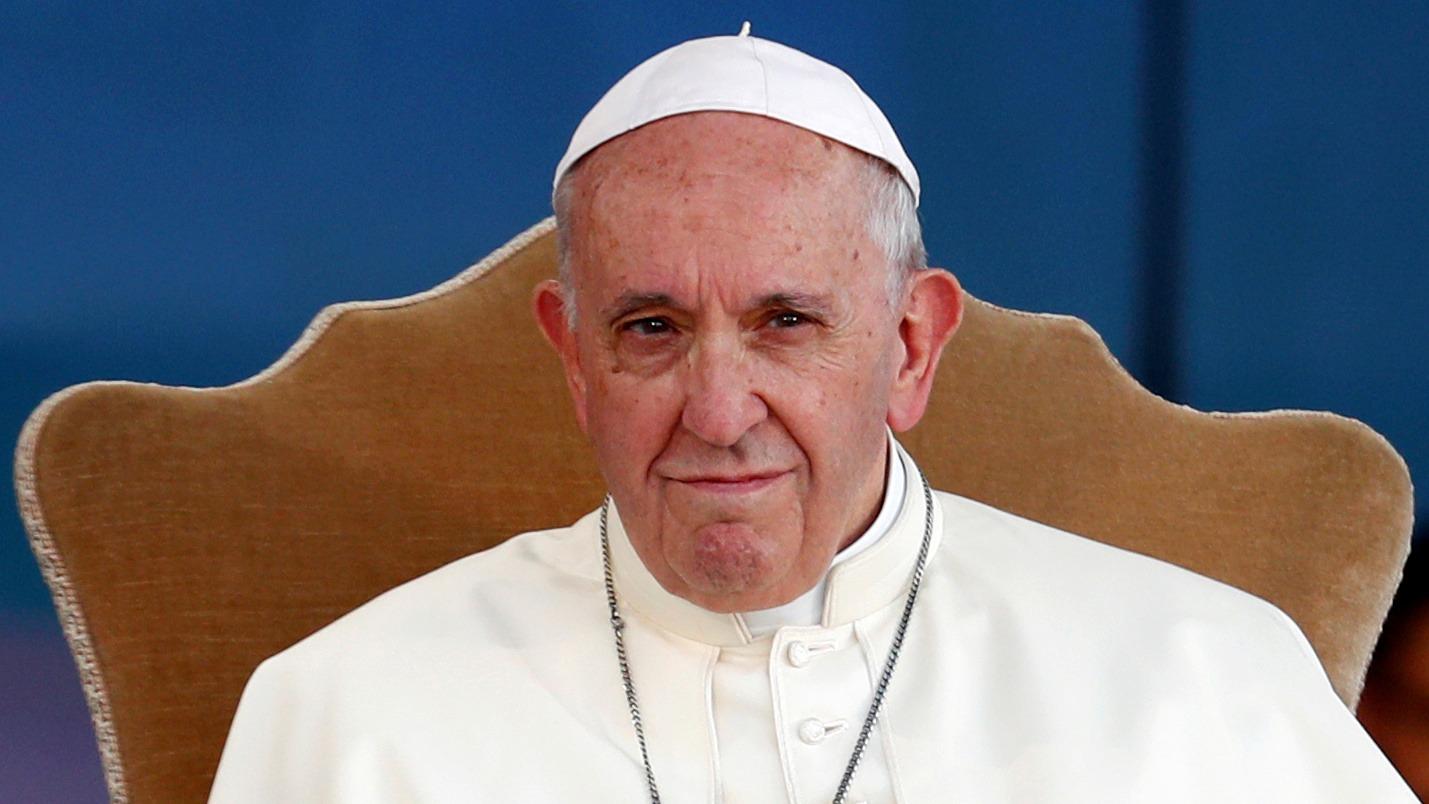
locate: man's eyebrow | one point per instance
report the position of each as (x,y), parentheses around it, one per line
(630,301)
(817,303)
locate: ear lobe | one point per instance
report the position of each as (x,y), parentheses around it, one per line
(548,304)
(931,316)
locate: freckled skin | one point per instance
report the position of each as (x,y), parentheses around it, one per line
(729,330)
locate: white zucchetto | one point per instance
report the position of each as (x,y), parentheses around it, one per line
(742,74)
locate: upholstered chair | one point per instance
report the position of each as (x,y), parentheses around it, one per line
(188,533)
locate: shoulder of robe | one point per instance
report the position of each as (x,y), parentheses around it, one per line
(1114,595)
(539,582)
(1111,637)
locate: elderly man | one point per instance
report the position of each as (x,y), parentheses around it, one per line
(772,605)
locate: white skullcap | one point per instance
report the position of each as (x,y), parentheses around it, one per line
(742,74)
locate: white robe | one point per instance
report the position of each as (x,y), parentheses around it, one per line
(1039,666)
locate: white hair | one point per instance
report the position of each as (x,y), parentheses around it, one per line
(892,225)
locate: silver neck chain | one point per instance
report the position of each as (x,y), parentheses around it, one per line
(617,624)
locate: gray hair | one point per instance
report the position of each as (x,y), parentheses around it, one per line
(892,224)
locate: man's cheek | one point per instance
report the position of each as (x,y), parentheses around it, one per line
(634,412)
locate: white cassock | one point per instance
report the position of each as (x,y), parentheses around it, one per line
(1039,666)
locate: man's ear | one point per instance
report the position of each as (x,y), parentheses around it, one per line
(548,302)
(930,317)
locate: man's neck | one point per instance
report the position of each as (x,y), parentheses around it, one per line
(878,501)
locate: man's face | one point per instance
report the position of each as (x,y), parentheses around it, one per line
(733,352)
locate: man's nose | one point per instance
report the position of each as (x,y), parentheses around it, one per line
(720,401)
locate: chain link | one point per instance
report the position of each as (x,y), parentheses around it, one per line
(617,624)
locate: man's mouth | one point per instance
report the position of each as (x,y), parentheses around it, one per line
(741,483)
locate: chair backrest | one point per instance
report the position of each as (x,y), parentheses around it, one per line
(188,533)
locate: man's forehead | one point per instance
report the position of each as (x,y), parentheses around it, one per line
(753,195)
(812,268)
(678,152)
(719,209)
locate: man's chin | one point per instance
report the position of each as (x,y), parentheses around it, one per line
(733,567)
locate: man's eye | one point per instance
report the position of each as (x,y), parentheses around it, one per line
(788,320)
(647,326)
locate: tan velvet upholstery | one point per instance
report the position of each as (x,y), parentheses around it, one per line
(189,533)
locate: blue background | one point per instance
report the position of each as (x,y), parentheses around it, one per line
(1233,194)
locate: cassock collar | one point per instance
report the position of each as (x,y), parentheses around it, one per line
(865,583)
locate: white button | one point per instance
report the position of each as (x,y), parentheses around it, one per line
(799,654)
(812,731)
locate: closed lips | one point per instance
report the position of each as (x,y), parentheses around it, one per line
(745,482)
